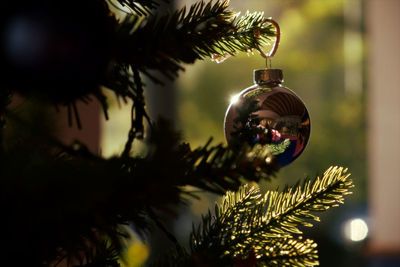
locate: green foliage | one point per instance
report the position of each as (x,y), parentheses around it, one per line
(277,149)
(248,224)
(141,7)
(204,30)
(101,254)
(293,207)
(251,229)
(311,57)
(74,204)
(62,202)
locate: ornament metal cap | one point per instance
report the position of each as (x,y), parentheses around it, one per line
(268,76)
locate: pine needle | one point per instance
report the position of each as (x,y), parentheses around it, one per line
(248,224)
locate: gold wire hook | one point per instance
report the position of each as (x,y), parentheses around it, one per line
(276,44)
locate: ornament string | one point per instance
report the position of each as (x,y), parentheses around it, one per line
(276,44)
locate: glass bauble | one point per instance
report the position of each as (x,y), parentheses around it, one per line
(268,113)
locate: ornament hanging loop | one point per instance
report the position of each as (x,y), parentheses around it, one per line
(268,62)
(276,44)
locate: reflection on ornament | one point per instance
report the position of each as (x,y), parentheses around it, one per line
(235,99)
(269,114)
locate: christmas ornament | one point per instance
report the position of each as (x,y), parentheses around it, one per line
(269,114)
(56,49)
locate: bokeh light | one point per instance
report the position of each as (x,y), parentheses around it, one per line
(355,229)
(234,99)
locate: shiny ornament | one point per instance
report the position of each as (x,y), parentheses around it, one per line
(270,114)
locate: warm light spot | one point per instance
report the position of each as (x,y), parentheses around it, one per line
(136,254)
(235,99)
(268,160)
(356,229)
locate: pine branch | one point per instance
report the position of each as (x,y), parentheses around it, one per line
(174,257)
(85,214)
(74,206)
(293,207)
(103,254)
(164,42)
(287,252)
(127,84)
(141,7)
(211,168)
(247,222)
(146,43)
(120,81)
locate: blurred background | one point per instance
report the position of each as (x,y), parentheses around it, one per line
(341,57)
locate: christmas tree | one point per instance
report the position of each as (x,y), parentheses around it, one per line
(66,205)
